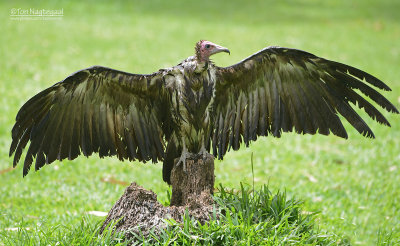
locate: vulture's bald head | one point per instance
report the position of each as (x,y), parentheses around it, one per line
(205,49)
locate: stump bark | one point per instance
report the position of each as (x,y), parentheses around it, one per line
(196,183)
(139,212)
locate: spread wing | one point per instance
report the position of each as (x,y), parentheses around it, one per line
(94,110)
(280,89)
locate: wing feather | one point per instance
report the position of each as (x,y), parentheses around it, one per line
(94,110)
(263,120)
(87,131)
(244,120)
(280,89)
(65,134)
(119,133)
(237,138)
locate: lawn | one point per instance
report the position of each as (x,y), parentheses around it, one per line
(354,184)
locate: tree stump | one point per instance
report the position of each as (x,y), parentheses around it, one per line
(139,212)
(194,184)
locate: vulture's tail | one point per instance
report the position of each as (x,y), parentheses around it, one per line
(172,152)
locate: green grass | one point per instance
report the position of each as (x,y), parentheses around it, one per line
(247,217)
(84,233)
(240,217)
(353,184)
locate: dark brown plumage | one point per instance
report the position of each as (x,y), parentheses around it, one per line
(193,106)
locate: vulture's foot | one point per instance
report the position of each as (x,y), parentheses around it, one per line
(203,153)
(182,160)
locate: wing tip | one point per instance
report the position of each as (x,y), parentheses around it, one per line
(25,172)
(368,134)
(394,110)
(11,151)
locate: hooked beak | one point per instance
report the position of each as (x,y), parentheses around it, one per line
(218,49)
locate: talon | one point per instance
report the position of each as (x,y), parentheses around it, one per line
(182,160)
(203,152)
(184,156)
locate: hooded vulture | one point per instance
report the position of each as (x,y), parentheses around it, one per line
(193,107)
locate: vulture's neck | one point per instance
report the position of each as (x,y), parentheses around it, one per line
(201,64)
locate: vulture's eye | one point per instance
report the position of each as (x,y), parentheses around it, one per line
(207,46)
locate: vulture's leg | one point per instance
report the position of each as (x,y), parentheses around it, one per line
(203,152)
(185,154)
